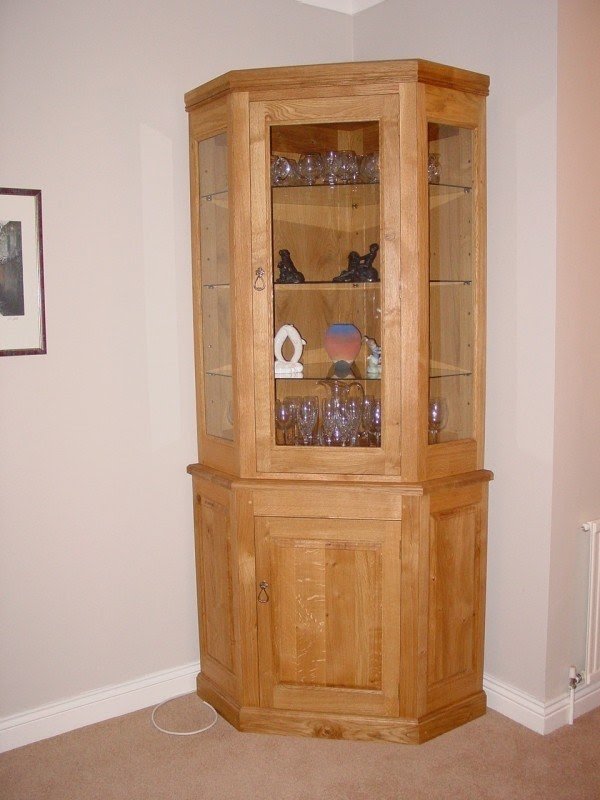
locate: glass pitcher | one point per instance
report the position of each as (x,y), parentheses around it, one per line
(340,390)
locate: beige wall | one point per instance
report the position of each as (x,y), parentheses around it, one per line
(576,491)
(97,579)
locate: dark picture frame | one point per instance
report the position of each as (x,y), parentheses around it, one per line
(22,309)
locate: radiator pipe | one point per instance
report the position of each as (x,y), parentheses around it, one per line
(575,678)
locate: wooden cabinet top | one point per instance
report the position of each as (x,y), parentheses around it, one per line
(378,76)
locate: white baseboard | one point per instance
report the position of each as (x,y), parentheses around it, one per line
(113,701)
(540,717)
(96,706)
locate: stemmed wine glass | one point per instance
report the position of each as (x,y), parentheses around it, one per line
(307,414)
(328,420)
(375,421)
(310,168)
(354,414)
(365,419)
(337,422)
(284,420)
(433,168)
(280,170)
(331,160)
(347,166)
(369,168)
(438,417)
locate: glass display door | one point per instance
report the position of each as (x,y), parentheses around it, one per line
(327,273)
(322,288)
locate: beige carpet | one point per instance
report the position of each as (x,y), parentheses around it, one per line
(128,759)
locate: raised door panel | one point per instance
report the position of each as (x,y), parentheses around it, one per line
(455,619)
(216,593)
(328,618)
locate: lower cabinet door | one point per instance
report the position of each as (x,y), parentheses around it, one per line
(328,606)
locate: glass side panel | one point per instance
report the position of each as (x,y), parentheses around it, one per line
(327,272)
(216,293)
(451,313)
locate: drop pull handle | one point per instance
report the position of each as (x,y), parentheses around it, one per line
(263,595)
(259,280)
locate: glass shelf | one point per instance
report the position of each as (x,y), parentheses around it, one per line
(449,372)
(222,372)
(341,285)
(325,371)
(440,185)
(456,282)
(217,193)
(323,186)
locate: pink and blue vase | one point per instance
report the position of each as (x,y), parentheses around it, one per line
(342,344)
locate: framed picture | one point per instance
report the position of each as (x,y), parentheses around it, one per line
(22,317)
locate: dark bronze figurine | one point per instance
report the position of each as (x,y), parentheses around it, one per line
(360,268)
(287,271)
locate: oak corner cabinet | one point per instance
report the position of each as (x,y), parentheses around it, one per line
(338,246)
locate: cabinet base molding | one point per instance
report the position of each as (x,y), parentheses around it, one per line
(226,706)
(342,726)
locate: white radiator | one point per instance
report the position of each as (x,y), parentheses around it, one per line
(592,666)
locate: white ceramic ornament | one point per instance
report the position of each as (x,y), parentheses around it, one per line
(291,368)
